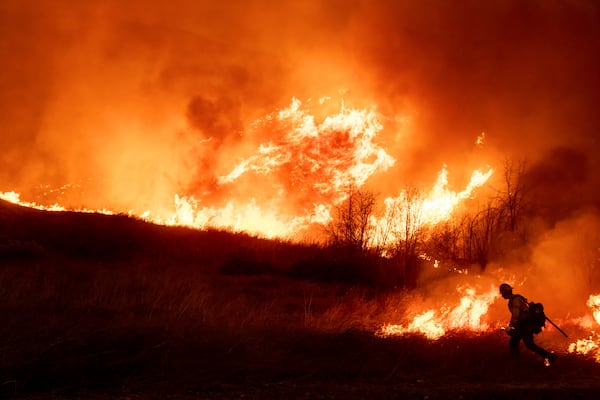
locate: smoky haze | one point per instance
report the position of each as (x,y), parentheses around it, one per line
(135,102)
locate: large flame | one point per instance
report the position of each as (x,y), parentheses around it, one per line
(468,315)
(292,180)
(412,210)
(338,153)
(310,165)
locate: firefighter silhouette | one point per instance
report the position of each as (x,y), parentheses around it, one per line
(521,326)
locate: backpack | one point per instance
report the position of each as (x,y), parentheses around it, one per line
(537,316)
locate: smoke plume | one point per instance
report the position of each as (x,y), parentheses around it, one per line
(134,102)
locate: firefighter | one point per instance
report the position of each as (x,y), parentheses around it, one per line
(521,326)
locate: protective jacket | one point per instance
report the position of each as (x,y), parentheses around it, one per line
(519,310)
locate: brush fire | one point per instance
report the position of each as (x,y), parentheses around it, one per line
(590,345)
(418,151)
(468,315)
(307,168)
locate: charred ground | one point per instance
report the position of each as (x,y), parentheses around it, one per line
(97,306)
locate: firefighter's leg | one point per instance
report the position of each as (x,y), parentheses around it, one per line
(530,344)
(513,343)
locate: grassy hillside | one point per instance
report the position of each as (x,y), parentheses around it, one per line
(29,234)
(96,306)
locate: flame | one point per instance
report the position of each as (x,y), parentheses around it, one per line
(310,164)
(481,139)
(594,303)
(305,167)
(468,315)
(250,217)
(336,154)
(410,209)
(440,203)
(591,345)
(15,198)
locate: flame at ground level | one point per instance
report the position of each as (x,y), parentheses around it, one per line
(15,198)
(469,315)
(267,221)
(590,346)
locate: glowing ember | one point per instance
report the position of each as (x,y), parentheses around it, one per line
(468,315)
(481,139)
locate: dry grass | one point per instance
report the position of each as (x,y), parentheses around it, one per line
(172,325)
(130,329)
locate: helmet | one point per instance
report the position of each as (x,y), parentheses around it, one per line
(505,288)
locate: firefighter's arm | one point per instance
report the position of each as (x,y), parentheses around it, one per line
(509,330)
(515,311)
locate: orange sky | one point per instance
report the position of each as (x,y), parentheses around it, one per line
(146,100)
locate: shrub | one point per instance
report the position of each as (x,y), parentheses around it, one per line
(15,249)
(244,262)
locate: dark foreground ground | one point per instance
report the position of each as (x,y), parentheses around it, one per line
(350,366)
(273,365)
(82,316)
(155,336)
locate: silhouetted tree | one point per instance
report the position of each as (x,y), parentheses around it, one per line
(350,227)
(588,252)
(404,215)
(445,242)
(482,232)
(513,197)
